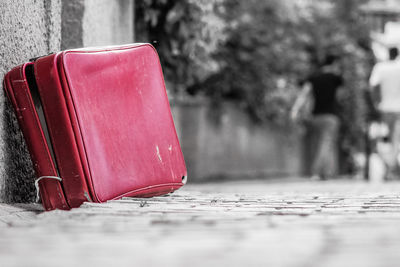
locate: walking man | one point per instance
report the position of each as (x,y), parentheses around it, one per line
(322,86)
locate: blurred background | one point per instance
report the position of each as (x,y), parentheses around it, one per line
(233,71)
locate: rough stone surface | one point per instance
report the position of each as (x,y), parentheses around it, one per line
(29,28)
(281,223)
(88,23)
(107,22)
(71,30)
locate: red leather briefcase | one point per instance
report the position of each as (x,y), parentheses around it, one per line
(98,125)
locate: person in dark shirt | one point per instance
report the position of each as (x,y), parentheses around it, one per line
(322,86)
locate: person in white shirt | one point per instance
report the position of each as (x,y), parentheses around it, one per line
(385,79)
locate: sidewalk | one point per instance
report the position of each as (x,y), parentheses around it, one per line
(278,223)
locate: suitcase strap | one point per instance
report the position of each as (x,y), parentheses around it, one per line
(17,85)
(37,184)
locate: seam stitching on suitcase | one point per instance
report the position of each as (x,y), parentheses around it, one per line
(116,48)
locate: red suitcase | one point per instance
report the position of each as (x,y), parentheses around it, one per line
(98,125)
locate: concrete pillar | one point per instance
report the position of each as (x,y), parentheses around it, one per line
(71,25)
(96,23)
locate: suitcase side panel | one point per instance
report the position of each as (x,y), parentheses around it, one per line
(61,130)
(107,141)
(75,127)
(17,90)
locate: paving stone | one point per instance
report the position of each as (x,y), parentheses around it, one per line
(255,223)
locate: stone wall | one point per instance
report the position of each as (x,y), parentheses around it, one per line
(31,28)
(226,143)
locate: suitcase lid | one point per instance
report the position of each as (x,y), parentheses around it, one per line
(124,119)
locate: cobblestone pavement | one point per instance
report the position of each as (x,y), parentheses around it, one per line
(285,223)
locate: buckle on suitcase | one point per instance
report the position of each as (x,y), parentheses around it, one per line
(44,177)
